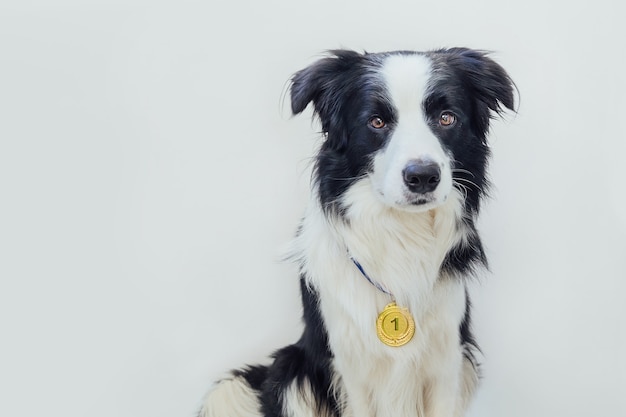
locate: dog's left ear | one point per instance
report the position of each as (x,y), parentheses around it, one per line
(489,83)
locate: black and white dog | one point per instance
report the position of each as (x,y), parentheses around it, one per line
(398,183)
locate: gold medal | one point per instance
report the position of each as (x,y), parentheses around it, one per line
(395,326)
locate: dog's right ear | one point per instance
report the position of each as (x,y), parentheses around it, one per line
(321,84)
(306,86)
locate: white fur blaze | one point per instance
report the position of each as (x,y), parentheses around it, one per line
(407,81)
(231,398)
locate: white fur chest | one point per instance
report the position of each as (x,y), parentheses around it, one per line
(403,253)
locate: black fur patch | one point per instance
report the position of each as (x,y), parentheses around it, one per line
(307,361)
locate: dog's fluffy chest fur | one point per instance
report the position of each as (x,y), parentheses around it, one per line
(403,256)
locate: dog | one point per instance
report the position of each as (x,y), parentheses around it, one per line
(387,245)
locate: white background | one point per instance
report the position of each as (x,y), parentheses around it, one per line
(150,174)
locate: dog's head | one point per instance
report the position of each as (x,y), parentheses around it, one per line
(412,124)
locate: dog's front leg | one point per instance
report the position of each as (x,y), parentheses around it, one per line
(450,392)
(442,397)
(357,401)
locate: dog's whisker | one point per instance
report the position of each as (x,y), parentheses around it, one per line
(463,188)
(463,171)
(360,177)
(465,180)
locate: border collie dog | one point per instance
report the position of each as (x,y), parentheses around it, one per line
(397,186)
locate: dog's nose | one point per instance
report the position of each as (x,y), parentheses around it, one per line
(421,176)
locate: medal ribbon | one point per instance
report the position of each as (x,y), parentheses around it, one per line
(371,281)
(395,326)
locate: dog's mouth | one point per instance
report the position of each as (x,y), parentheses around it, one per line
(407,200)
(419,202)
(419,199)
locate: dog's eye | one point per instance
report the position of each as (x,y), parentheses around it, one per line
(447,119)
(377,123)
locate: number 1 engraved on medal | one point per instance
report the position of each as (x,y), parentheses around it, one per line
(395,324)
